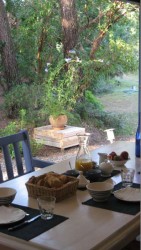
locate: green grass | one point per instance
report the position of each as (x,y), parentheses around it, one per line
(127,81)
(123,101)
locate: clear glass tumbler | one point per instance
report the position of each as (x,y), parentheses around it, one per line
(46,206)
(127,177)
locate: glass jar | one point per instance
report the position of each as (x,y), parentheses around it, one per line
(83,159)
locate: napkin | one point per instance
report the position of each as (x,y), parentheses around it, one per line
(10,214)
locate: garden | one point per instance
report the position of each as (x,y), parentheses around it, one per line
(79,60)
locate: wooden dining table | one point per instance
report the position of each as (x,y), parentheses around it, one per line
(86,227)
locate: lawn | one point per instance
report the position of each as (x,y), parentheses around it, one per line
(124,99)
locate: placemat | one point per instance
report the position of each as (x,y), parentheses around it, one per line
(33,229)
(100,178)
(116,205)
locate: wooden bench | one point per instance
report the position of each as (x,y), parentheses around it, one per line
(58,138)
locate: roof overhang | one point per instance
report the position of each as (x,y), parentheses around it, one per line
(131,1)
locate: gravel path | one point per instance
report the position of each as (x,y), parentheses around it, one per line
(56,155)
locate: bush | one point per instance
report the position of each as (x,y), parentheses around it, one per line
(88,106)
(104,85)
(13,128)
(113,120)
(23,96)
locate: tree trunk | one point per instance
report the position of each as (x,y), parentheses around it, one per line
(6,50)
(69,25)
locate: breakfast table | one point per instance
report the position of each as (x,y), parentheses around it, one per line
(83,226)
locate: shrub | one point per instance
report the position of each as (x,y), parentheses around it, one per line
(23,96)
(11,128)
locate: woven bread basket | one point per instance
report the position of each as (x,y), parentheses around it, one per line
(60,193)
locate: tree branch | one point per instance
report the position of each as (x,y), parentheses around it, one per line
(112,18)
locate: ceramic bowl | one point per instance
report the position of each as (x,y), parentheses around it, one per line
(7,195)
(72,172)
(119,163)
(100,191)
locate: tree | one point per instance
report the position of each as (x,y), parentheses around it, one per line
(69,25)
(8,57)
(46,31)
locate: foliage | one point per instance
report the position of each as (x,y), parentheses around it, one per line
(22,115)
(40,17)
(89,97)
(117,121)
(25,97)
(60,88)
(88,106)
(11,128)
(32,17)
(35,147)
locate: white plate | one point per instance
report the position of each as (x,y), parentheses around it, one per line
(128,194)
(10,215)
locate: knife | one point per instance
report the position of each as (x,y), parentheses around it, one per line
(24,223)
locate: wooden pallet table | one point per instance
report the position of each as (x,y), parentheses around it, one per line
(58,138)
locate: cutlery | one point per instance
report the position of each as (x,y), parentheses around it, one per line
(24,223)
(70,165)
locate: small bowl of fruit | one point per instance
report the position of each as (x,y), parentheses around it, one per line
(118,160)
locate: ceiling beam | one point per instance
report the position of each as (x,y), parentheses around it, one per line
(131,1)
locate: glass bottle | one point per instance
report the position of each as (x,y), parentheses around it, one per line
(83,158)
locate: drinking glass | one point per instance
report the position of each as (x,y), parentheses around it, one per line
(127,177)
(46,206)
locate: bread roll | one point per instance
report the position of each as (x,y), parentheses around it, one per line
(41,182)
(50,180)
(63,179)
(32,180)
(54,182)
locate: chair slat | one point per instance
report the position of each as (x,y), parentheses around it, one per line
(15,139)
(1,175)
(8,162)
(18,158)
(27,153)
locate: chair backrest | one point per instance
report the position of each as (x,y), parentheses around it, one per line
(110,134)
(21,149)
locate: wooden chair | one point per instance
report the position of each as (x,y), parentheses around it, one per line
(110,134)
(22,153)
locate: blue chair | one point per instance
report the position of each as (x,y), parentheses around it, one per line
(19,141)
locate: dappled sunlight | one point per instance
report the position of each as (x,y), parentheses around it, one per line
(66,23)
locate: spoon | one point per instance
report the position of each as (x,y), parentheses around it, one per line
(70,165)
